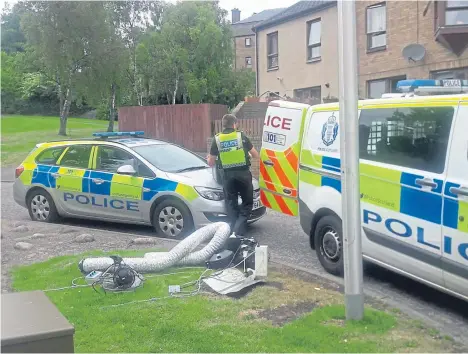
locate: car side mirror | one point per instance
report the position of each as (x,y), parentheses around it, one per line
(126,170)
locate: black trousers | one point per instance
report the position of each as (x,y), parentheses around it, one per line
(238,182)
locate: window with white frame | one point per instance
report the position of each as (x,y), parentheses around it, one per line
(314,45)
(272,47)
(248,62)
(376,17)
(248,42)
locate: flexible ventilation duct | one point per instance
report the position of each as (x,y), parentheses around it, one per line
(180,255)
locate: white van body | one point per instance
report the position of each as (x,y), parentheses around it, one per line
(414,182)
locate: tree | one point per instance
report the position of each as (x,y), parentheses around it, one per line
(189,57)
(131,18)
(63,37)
(106,79)
(13,39)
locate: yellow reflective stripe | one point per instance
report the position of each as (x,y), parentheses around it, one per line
(271,172)
(63,154)
(286,167)
(309,159)
(292,205)
(93,161)
(188,192)
(128,187)
(70,179)
(271,200)
(463,210)
(309,177)
(27,175)
(380,186)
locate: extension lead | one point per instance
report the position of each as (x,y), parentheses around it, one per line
(184,294)
(76,286)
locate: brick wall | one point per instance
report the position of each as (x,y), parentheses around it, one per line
(242,51)
(257,143)
(406,24)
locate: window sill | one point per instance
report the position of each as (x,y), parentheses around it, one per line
(273,69)
(375,50)
(314,60)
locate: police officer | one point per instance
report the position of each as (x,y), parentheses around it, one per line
(233,148)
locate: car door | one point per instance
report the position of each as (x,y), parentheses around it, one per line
(115,195)
(71,179)
(279,156)
(455,218)
(403,153)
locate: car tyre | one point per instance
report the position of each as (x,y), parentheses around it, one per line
(172,219)
(328,240)
(41,206)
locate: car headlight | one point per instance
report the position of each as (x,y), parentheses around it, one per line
(210,193)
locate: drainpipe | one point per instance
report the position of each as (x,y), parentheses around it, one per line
(256,64)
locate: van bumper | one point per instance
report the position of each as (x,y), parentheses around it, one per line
(306,217)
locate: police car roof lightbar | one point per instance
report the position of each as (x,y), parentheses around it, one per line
(433,87)
(113,134)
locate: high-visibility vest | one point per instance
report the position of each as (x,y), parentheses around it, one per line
(231,150)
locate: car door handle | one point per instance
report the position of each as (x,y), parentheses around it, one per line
(459,191)
(268,162)
(55,175)
(287,191)
(146,190)
(98,180)
(425,182)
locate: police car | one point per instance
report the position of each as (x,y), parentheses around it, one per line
(414,179)
(123,177)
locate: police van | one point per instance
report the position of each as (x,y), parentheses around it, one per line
(413,179)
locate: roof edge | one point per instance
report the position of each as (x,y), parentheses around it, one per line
(260,27)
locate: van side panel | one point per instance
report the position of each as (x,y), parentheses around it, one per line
(279,156)
(399,219)
(455,215)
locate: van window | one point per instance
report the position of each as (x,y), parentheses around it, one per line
(415,137)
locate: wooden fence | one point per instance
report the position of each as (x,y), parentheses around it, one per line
(187,125)
(251,127)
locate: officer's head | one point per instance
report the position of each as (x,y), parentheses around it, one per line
(229,121)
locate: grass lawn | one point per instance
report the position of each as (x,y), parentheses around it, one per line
(209,323)
(21,133)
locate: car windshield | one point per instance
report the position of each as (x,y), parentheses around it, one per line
(171,158)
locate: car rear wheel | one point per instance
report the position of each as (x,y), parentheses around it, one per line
(329,245)
(172,219)
(41,206)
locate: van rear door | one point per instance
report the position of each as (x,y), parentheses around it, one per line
(279,156)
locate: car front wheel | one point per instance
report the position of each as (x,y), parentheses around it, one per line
(172,219)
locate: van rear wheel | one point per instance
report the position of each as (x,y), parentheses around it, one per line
(328,239)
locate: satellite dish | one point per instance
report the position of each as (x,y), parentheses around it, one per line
(414,52)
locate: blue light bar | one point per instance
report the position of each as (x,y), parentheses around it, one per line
(410,85)
(111,134)
(432,86)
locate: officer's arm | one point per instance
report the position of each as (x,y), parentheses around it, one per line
(248,144)
(211,157)
(211,160)
(254,153)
